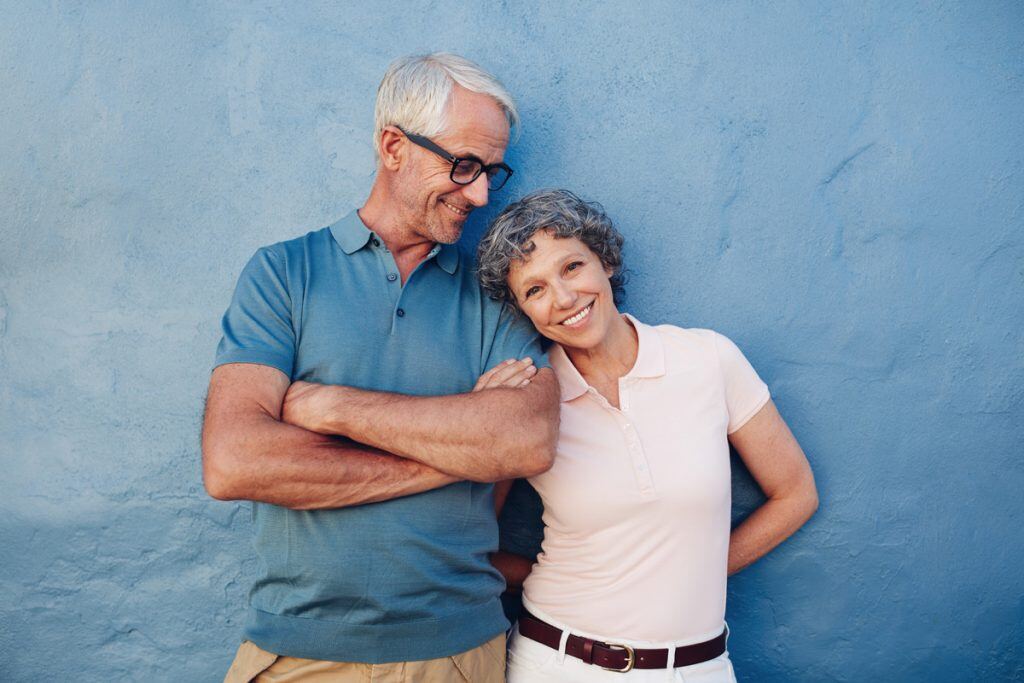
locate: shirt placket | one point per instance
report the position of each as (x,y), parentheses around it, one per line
(392,280)
(634,448)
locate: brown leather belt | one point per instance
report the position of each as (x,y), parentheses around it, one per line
(617,657)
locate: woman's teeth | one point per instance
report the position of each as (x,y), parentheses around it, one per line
(578,317)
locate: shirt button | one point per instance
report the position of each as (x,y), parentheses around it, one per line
(400,313)
(392,277)
(376,242)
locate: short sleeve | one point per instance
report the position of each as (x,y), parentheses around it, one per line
(745,392)
(515,338)
(257,327)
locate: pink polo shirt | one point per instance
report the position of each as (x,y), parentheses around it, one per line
(637,504)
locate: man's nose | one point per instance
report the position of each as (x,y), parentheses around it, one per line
(476,192)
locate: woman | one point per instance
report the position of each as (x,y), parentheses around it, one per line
(637,543)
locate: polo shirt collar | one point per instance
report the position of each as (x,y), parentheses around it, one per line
(352,235)
(448,258)
(650,362)
(570,381)
(650,357)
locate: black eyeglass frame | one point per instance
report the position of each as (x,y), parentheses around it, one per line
(428,144)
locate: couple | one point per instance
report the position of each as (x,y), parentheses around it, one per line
(368,392)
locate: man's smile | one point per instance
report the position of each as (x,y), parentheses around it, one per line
(455,209)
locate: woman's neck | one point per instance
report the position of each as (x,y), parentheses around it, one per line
(612,358)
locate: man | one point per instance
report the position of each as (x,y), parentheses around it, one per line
(342,405)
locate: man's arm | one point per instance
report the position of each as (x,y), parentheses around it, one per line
(249,454)
(501,433)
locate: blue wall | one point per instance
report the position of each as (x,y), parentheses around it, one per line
(838,187)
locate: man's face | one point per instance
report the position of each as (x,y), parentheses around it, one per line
(434,207)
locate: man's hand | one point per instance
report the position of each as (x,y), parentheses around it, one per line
(511,374)
(305,404)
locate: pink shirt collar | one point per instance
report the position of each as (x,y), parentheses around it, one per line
(650,362)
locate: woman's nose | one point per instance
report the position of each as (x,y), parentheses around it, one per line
(565,297)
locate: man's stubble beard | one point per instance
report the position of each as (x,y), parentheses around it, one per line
(445,230)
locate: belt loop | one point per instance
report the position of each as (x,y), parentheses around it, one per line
(561,645)
(588,651)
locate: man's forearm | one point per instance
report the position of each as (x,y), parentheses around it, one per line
(265,460)
(483,436)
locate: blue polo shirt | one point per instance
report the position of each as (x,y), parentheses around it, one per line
(401,580)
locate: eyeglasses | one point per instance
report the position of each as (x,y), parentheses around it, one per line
(464,170)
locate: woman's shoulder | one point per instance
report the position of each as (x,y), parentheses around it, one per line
(688,346)
(687,337)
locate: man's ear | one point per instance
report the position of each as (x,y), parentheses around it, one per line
(392,148)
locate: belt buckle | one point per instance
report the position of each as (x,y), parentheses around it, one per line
(630,661)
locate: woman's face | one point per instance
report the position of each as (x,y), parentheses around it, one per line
(563,287)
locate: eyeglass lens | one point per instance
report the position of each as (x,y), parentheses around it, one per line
(467,170)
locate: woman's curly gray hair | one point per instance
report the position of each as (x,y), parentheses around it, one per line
(563,214)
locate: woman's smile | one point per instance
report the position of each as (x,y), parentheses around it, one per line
(578,319)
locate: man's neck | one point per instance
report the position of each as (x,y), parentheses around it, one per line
(407,248)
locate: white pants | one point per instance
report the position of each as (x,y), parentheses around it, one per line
(532,662)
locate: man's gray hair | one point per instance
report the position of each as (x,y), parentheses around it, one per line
(560,212)
(415,90)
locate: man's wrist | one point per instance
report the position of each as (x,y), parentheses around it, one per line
(335,409)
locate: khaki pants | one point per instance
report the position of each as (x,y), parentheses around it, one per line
(484,664)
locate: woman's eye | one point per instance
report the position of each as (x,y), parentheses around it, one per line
(574,265)
(531,291)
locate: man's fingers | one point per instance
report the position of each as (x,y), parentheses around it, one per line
(513,374)
(506,372)
(486,379)
(521,377)
(509,373)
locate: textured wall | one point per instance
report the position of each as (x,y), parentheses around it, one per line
(838,187)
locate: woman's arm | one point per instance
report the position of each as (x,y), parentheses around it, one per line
(501,489)
(779,466)
(515,568)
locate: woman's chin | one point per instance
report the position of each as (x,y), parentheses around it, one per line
(575,339)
